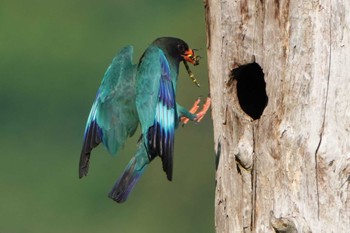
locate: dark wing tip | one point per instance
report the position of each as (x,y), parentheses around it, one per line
(84,164)
(168,166)
(91,140)
(169,174)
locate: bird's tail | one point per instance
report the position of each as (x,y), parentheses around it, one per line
(131,175)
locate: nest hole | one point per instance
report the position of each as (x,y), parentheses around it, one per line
(251,89)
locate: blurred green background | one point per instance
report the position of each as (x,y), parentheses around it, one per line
(53,56)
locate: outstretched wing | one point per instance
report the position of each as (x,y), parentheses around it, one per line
(113,116)
(156,106)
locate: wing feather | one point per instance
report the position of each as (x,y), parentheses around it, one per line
(113,116)
(156,106)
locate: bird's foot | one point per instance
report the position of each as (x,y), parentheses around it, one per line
(204,110)
(195,107)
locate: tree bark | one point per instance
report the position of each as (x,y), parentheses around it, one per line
(288,171)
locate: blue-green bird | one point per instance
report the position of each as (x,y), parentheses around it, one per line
(143,94)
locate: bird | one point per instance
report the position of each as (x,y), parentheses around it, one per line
(140,94)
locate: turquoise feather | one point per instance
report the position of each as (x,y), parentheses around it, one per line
(113,115)
(156,105)
(130,95)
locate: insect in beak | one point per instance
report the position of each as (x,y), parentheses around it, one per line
(194,80)
(190,57)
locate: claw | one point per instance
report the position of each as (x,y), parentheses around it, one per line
(195,107)
(204,110)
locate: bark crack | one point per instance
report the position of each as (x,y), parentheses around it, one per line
(325,109)
(208,22)
(316,169)
(254,184)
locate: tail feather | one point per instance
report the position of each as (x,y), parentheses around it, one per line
(131,175)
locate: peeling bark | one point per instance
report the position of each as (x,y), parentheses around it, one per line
(288,171)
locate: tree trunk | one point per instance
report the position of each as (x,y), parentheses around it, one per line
(288,171)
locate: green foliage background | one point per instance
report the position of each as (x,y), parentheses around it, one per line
(53,56)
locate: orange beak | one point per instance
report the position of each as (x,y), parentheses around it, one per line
(190,57)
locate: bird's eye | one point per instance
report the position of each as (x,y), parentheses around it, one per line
(181,48)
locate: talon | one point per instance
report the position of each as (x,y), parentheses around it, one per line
(184,120)
(193,110)
(204,110)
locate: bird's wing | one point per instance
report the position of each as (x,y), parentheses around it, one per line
(156,106)
(113,116)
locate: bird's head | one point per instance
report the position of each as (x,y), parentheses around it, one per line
(177,49)
(187,54)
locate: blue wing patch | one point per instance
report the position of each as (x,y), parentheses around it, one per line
(161,135)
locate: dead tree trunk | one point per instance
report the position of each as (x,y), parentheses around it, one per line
(288,171)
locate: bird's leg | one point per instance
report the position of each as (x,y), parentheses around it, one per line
(193,110)
(198,116)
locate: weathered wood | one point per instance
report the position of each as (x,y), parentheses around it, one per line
(290,169)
